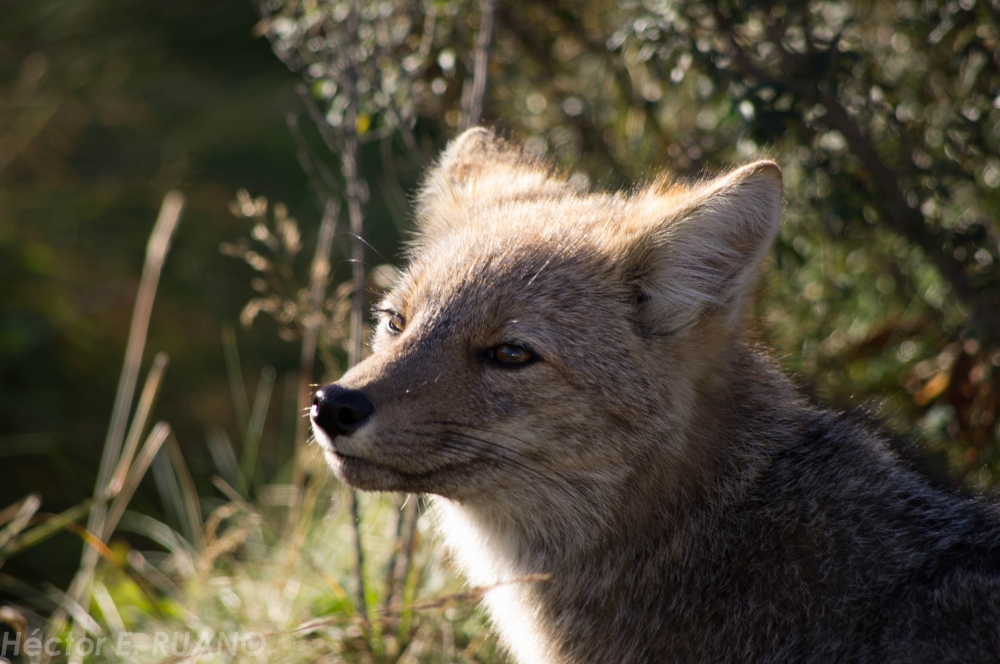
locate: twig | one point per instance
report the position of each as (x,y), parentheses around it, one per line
(349,167)
(473,594)
(359,558)
(392,191)
(330,138)
(401,560)
(474,93)
(319,273)
(322,181)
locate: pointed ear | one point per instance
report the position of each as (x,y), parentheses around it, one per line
(700,259)
(479,168)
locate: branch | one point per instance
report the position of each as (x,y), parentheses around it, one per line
(474,95)
(321,180)
(902,217)
(349,168)
(593,134)
(909,221)
(333,142)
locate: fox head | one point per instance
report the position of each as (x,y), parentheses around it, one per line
(547,350)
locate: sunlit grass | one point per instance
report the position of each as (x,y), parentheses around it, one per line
(261,580)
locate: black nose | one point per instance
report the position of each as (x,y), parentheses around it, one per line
(340,411)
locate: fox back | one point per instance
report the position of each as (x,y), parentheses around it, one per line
(568,374)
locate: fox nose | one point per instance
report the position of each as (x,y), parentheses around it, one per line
(339,411)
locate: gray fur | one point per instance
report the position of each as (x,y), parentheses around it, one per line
(688,503)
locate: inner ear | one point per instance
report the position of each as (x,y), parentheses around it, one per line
(698,256)
(643,319)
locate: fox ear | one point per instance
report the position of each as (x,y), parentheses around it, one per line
(479,169)
(700,259)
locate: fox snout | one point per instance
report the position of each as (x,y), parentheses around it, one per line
(340,411)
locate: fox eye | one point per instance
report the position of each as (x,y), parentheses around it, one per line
(395,323)
(511,354)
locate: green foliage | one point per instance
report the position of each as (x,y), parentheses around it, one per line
(368,53)
(884,118)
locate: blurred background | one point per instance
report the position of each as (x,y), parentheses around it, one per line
(289,125)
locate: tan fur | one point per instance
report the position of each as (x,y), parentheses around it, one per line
(641,458)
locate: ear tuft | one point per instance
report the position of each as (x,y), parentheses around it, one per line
(467,153)
(479,169)
(699,254)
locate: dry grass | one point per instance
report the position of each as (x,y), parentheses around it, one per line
(262,572)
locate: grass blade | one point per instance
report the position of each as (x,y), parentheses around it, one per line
(236,385)
(146,402)
(233,495)
(162,534)
(189,493)
(50,527)
(73,607)
(142,462)
(28,594)
(20,521)
(156,252)
(11,511)
(170,493)
(112,618)
(14,618)
(255,430)
(221,449)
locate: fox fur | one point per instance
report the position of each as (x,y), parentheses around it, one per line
(686,501)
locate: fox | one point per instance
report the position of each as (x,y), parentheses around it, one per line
(571,377)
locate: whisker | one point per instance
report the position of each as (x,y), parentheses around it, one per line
(478,428)
(496,451)
(366,243)
(506,435)
(563,485)
(452,449)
